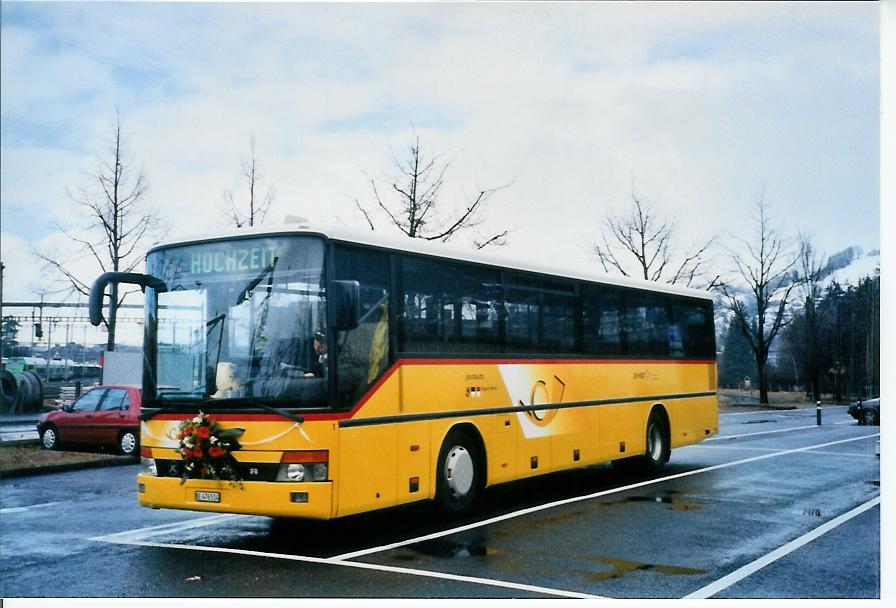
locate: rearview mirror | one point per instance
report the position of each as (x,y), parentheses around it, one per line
(345,297)
(99,287)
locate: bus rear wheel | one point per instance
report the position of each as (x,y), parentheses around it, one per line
(658,450)
(458,476)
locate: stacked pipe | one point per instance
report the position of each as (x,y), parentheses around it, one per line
(22,392)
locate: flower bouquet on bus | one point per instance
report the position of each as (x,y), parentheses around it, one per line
(206,449)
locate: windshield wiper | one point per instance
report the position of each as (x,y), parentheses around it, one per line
(184,398)
(146,414)
(298,418)
(247,290)
(209,328)
(217,403)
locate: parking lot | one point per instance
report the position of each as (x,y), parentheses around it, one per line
(774,506)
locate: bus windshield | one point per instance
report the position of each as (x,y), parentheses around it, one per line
(242,320)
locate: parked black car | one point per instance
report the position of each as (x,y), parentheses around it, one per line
(866,412)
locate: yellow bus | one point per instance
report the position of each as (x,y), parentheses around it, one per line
(295,372)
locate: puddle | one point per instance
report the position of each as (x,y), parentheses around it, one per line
(621,567)
(677,503)
(449,549)
(758,421)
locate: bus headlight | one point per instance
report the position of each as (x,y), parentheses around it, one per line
(148,467)
(304,465)
(295,472)
(318,471)
(147,462)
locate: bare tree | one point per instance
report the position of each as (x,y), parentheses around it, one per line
(117,223)
(415,206)
(641,243)
(255,208)
(764,266)
(811,272)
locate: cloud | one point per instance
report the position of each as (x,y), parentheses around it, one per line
(701,106)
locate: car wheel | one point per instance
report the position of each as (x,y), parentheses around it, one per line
(459,473)
(868,417)
(127,443)
(49,438)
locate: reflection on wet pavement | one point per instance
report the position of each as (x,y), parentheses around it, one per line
(621,567)
(449,549)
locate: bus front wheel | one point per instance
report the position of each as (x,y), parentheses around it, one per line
(458,477)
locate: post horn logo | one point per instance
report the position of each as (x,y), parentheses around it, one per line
(540,396)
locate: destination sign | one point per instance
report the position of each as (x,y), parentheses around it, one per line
(232,259)
(218,260)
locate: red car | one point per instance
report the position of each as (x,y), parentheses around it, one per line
(104,415)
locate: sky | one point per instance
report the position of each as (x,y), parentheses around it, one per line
(698,108)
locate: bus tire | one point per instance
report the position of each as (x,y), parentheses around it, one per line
(458,473)
(127,443)
(658,449)
(49,438)
(656,452)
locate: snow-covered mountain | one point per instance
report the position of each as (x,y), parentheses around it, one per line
(850,266)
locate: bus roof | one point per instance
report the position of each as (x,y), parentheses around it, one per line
(436,249)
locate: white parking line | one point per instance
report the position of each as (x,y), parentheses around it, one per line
(750,449)
(745,571)
(360,565)
(796,410)
(792,428)
(133,537)
(575,499)
(28,508)
(176,526)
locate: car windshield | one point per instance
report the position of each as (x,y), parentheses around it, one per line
(239,320)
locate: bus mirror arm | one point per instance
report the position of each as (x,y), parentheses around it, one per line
(98,289)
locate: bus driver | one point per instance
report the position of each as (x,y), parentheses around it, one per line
(319,367)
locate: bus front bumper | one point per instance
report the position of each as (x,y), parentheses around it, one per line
(312,500)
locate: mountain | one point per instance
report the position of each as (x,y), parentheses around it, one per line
(850,266)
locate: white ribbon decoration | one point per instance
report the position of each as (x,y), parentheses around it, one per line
(174,442)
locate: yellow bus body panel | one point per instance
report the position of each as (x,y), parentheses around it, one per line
(385,451)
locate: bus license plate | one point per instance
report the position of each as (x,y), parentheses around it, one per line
(208,496)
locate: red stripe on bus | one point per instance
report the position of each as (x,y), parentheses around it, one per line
(422,361)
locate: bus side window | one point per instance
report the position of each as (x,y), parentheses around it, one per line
(695,320)
(602,319)
(541,315)
(645,324)
(448,308)
(362,354)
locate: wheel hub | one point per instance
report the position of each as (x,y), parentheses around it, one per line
(459,471)
(655,443)
(128,442)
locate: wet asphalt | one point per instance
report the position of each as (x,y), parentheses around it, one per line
(715,510)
